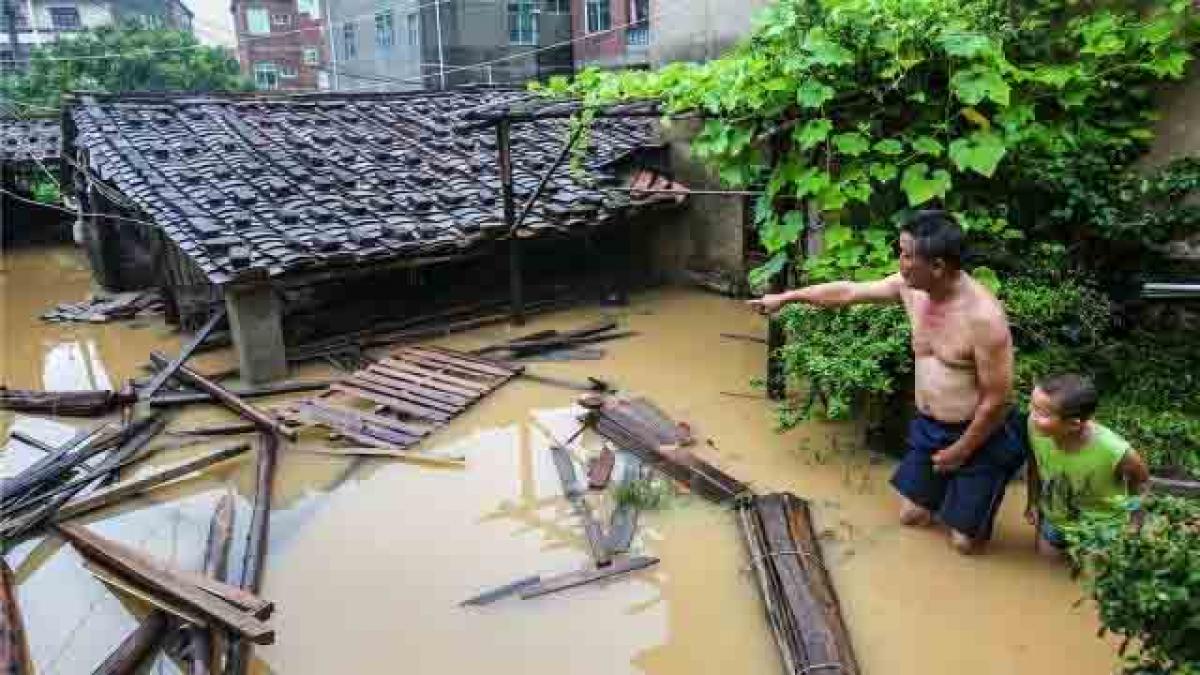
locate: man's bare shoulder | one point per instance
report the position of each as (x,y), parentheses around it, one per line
(986,315)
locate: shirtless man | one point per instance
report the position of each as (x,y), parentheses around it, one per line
(964,445)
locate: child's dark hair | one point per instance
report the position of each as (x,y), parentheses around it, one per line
(1075,394)
(937,235)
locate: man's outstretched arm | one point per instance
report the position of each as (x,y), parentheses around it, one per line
(835,294)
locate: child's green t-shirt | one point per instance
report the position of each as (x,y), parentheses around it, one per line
(1080,481)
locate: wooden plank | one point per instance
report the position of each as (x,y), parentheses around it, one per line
(427,380)
(400,392)
(448,370)
(482,365)
(414,429)
(168,371)
(114,580)
(587,576)
(360,430)
(591,528)
(458,401)
(216,557)
(444,380)
(115,493)
(416,456)
(391,402)
(229,399)
(489,596)
(242,599)
(172,399)
(14,648)
(166,584)
(137,646)
(600,468)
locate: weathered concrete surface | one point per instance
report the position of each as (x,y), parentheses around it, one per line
(256,323)
(702,244)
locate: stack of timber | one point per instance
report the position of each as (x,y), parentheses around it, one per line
(395,403)
(801,603)
(639,427)
(66,403)
(105,309)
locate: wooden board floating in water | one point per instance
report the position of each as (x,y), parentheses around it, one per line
(637,426)
(587,576)
(394,403)
(490,596)
(800,600)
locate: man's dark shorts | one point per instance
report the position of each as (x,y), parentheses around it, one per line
(968,499)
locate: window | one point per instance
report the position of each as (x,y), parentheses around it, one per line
(64,18)
(598,15)
(638,33)
(266,76)
(311,56)
(349,40)
(557,6)
(287,72)
(309,7)
(257,21)
(149,21)
(522,23)
(281,20)
(411,20)
(385,29)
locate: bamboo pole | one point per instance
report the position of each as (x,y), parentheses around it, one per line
(14,650)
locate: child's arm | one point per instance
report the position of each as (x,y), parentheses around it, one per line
(1033,485)
(1133,472)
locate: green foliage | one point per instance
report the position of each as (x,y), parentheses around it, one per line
(46,192)
(1146,582)
(647,494)
(1169,440)
(149,60)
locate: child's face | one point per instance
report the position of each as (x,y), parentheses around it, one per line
(1046,418)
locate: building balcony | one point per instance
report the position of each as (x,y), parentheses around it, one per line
(637,36)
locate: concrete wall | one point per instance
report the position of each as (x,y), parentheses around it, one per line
(1177,135)
(698,30)
(397,67)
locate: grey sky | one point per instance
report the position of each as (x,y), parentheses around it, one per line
(213,23)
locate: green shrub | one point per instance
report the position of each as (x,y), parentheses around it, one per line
(1146,583)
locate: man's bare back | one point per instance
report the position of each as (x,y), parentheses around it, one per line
(947,335)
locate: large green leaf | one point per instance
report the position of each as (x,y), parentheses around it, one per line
(928,145)
(921,185)
(811,182)
(852,143)
(813,133)
(813,94)
(978,83)
(890,147)
(980,152)
(824,51)
(966,45)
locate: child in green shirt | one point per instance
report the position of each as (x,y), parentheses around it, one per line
(1077,465)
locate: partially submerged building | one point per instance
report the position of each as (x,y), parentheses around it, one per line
(29,159)
(313,216)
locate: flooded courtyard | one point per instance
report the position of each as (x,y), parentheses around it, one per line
(370,557)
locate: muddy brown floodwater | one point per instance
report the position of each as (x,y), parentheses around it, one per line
(369,557)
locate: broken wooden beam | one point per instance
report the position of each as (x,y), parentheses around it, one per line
(173,399)
(228,399)
(136,486)
(14,649)
(600,468)
(587,575)
(64,403)
(216,430)
(168,370)
(137,646)
(593,535)
(489,596)
(623,522)
(162,582)
(216,557)
(797,591)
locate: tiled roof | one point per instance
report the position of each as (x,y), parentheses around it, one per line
(291,184)
(24,140)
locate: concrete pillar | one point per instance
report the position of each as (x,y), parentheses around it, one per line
(256,323)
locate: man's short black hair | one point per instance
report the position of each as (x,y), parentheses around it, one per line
(1075,395)
(937,236)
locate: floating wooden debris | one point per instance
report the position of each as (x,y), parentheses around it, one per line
(65,403)
(14,650)
(395,403)
(801,603)
(166,372)
(104,309)
(600,468)
(622,524)
(165,583)
(137,646)
(587,575)
(565,466)
(548,341)
(492,595)
(637,426)
(173,399)
(216,556)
